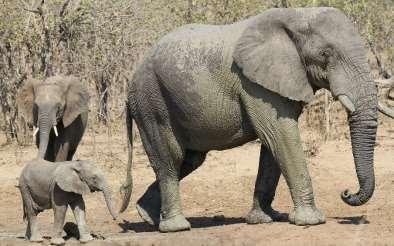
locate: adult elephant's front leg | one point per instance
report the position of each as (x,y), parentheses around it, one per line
(62,149)
(69,138)
(290,156)
(287,150)
(275,122)
(264,193)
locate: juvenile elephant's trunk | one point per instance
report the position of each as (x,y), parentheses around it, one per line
(108,201)
(45,125)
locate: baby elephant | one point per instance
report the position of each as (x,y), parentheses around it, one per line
(56,185)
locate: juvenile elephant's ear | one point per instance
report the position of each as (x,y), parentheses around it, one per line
(268,56)
(67,178)
(77,100)
(25,101)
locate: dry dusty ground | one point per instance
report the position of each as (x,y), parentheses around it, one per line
(217,197)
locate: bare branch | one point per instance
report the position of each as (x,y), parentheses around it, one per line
(64,8)
(382,70)
(35,11)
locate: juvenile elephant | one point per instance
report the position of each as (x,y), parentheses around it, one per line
(206,87)
(58,102)
(44,185)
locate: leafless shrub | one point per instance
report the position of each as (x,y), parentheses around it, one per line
(103,41)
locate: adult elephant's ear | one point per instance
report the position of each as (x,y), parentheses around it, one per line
(267,54)
(25,101)
(67,178)
(77,100)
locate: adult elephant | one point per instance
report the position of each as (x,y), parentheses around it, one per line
(205,87)
(58,109)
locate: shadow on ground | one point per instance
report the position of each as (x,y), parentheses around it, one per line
(196,222)
(352,220)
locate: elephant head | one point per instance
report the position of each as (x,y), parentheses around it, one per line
(82,177)
(294,52)
(45,104)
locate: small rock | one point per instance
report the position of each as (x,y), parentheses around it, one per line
(98,236)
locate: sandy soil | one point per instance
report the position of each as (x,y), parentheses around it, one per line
(217,197)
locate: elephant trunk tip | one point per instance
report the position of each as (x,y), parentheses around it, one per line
(357,199)
(345,194)
(108,201)
(115,216)
(125,191)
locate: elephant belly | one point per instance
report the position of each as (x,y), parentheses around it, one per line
(209,116)
(41,201)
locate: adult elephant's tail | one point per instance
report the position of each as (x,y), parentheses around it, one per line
(127,186)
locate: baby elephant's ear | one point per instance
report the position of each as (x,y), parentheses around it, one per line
(67,178)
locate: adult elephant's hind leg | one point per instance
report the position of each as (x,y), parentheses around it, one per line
(148,206)
(264,192)
(166,156)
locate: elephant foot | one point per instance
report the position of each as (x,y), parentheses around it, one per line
(257,216)
(85,238)
(173,224)
(148,206)
(36,239)
(306,215)
(268,215)
(57,241)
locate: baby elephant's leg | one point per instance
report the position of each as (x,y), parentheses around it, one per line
(59,215)
(32,232)
(60,204)
(78,208)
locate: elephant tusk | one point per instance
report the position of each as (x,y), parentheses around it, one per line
(386,110)
(55,129)
(347,103)
(35,131)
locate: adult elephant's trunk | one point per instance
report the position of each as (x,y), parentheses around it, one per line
(108,201)
(363,127)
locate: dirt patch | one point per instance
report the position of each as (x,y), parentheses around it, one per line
(217,197)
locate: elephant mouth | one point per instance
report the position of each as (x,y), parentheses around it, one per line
(93,189)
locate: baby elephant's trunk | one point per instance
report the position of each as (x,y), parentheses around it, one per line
(108,200)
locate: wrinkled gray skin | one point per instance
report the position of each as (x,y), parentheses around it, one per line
(205,87)
(57,101)
(44,185)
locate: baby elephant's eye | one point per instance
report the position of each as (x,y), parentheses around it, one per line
(94,178)
(325,53)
